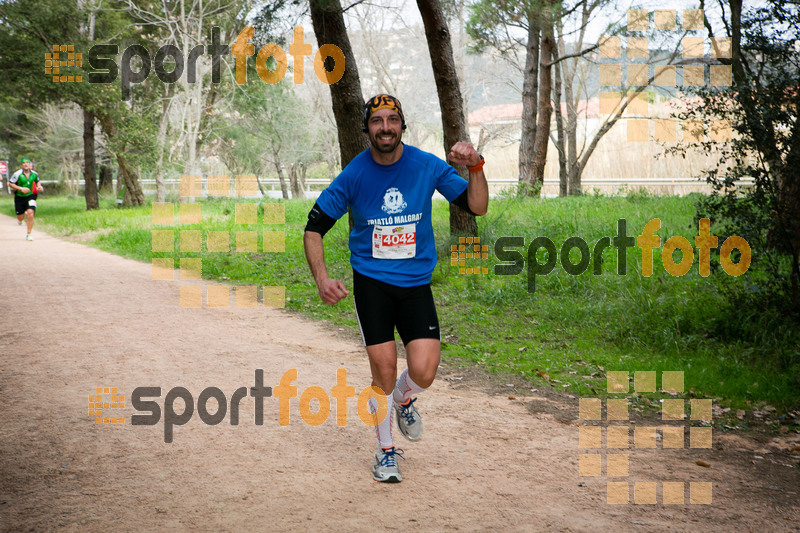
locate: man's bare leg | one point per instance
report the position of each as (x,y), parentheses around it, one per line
(29,217)
(422,356)
(383,363)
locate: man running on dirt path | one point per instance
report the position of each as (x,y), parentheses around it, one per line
(393,254)
(25,183)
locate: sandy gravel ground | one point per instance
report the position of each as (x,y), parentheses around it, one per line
(75,318)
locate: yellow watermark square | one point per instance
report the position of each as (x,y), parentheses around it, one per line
(672,381)
(162,240)
(218,296)
(645,437)
(672,436)
(101,401)
(589,408)
(246,186)
(666,132)
(610,47)
(190,240)
(672,409)
(692,19)
(638,48)
(246,241)
(590,465)
(720,75)
(191,269)
(672,492)
(617,381)
(638,20)
(218,241)
(163,269)
(694,75)
(644,381)
(644,493)
(246,213)
(617,437)
(246,296)
(700,437)
(617,492)
(700,492)
(191,186)
(665,19)
(274,213)
(700,409)
(274,296)
(163,213)
(190,213)
(617,465)
(219,185)
(590,437)
(617,409)
(274,241)
(191,296)
(610,75)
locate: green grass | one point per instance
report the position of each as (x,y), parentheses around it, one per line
(572,328)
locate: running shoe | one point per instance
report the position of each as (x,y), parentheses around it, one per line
(29,237)
(408,420)
(385,468)
(19,222)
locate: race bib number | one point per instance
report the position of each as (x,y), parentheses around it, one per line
(394,242)
(31,203)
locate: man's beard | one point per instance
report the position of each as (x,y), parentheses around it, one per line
(384,148)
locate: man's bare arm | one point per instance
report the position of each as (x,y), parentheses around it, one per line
(330,290)
(478,189)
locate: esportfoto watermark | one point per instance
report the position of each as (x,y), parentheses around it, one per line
(143,400)
(605,441)
(513,261)
(102,58)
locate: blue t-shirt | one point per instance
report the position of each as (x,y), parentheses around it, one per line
(392,237)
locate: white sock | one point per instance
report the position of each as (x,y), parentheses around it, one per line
(383,430)
(405,388)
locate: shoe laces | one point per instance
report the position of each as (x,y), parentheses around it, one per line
(390,457)
(406,412)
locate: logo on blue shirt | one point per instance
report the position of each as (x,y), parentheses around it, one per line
(393,201)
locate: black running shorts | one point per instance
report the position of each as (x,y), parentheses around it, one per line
(21,203)
(380,307)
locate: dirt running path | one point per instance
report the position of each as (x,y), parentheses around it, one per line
(74,318)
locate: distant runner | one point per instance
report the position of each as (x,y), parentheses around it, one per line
(25,183)
(393,254)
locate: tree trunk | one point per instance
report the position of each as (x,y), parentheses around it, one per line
(261,187)
(736,41)
(89,174)
(530,93)
(567,79)
(161,143)
(282,180)
(563,180)
(106,178)
(347,100)
(450,101)
(301,178)
(133,191)
(545,106)
(346,97)
(294,182)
